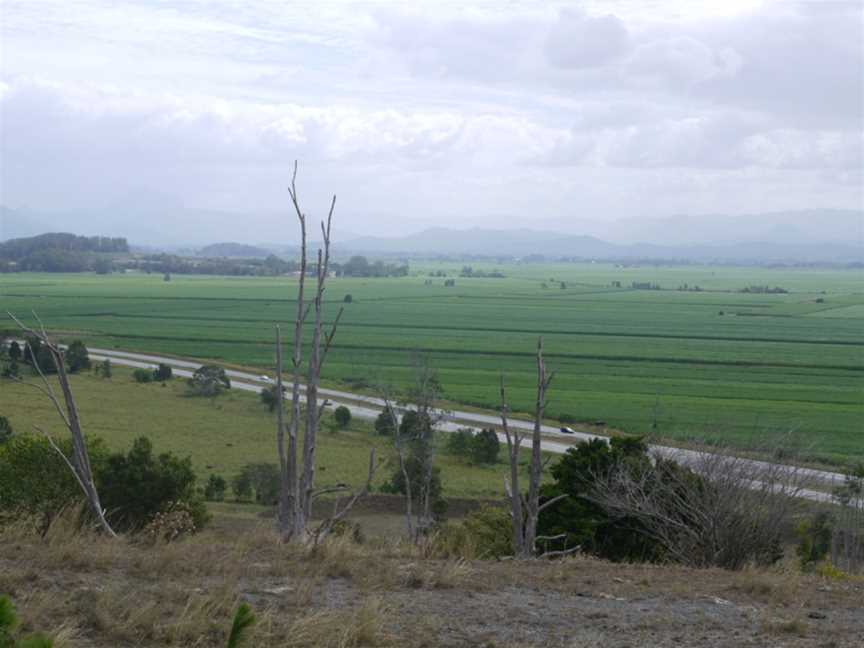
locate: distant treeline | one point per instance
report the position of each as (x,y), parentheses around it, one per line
(172,264)
(60,252)
(359,266)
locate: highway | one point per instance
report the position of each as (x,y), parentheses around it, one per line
(368,407)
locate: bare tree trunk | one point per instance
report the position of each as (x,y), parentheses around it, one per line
(525,509)
(514,443)
(296,489)
(533,503)
(79,464)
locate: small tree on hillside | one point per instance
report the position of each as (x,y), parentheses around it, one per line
(77,357)
(208,380)
(14,351)
(268,397)
(164,372)
(485,447)
(386,422)
(343,416)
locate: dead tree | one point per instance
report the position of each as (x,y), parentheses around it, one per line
(719,510)
(525,508)
(79,463)
(298,478)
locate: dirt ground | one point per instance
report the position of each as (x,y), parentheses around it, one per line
(89,591)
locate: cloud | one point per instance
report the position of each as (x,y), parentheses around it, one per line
(436,110)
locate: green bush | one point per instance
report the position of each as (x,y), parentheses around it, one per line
(76,357)
(214,491)
(11,370)
(209,380)
(814,539)
(385,422)
(414,468)
(269,397)
(566,419)
(5,429)
(262,480)
(162,373)
(483,534)
(36,481)
(585,523)
(480,448)
(142,375)
(342,415)
(459,442)
(485,447)
(8,624)
(135,486)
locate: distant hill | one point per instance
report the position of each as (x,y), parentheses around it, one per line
(524,242)
(60,252)
(233,251)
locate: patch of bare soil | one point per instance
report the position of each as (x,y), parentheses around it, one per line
(93,592)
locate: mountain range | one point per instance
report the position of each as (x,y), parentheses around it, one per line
(823,235)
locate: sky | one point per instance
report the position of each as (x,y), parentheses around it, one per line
(568,116)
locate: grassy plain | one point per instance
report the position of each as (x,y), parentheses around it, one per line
(221,435)
(716,364)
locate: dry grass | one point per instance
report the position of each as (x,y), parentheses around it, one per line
(85,590)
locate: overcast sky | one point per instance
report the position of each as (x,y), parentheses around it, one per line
(498,114)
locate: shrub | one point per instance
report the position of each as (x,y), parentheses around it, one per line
(142,375)
(459,442)
(480,448)
(348,298)
(485,447)
(162,373)
(385,422)
(105,368)
(8,624)
(566,419)
(11,370)
(485,533)
(14,351)
(814,539)
(414,467)
(5,429)
(261,479)
(134,487)
(214,491)
(269,397)
(77,357)
(585,523)
(208,380)
(35,480)
(343,416)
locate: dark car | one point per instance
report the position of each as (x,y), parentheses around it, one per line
(567,430)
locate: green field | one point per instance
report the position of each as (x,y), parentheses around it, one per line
(715,364)
(224,434)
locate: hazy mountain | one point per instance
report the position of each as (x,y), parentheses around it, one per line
(521,243)
(793,227)
(440,240)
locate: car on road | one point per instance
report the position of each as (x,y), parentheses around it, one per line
(567,430)
(266,378)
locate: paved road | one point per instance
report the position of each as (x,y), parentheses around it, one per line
(369,407)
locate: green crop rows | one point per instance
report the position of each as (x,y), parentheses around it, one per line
(716,364)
